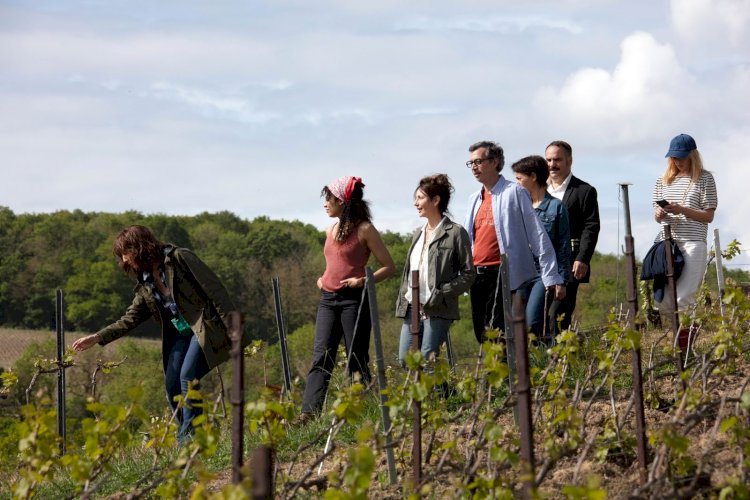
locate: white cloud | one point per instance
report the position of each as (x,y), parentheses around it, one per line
(711,22)
(487,24)
(644,92)
(137,54)
(726,158)
(211,102)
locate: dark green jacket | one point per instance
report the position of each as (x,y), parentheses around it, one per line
(200,297)
(451,268)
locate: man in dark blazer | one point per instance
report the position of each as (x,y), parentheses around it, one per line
(583,213)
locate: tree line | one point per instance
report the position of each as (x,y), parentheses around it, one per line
(72,250)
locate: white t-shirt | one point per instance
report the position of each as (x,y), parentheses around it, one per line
(418,261)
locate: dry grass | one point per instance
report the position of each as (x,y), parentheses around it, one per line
(13,342)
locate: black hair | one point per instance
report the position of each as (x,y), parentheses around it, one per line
(493,151)
(561,144)
(356,211)
(534,164)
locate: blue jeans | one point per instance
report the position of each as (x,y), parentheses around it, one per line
(536,313)
(338,312)
(185,363)
(433,332)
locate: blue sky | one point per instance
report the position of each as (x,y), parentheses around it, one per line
(251,107)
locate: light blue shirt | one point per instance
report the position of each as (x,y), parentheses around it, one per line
(520,234)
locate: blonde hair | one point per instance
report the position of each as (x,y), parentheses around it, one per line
(696,168)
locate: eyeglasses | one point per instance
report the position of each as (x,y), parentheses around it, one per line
(477,162)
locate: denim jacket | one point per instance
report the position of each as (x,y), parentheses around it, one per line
(451,267)
(554,217)
(520,234)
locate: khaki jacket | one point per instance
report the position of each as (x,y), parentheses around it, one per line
(451,268)
(200,297)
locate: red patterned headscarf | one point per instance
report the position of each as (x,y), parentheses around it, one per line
(343,187)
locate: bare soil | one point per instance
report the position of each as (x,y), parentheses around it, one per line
(618,476)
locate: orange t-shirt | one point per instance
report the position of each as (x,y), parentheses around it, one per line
(486,248)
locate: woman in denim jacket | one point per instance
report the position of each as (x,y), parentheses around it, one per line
(441,252)
(531,173)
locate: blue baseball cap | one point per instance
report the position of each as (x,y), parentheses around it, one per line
(681,146)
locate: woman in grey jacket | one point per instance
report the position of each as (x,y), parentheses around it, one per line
(441,252)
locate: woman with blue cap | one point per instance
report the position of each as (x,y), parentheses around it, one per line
(685,199)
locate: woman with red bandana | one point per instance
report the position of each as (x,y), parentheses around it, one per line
(343,310)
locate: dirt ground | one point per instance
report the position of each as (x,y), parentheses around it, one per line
(618,477)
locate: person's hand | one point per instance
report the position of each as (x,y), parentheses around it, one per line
(674,208)
(560,292)
(86,342)
(353,282)
(580,269)
(660,214)
(320,283)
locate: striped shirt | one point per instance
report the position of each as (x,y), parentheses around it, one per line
(699,195)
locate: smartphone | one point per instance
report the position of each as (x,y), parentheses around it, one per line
(662,203)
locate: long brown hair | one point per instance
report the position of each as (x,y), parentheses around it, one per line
(140,243)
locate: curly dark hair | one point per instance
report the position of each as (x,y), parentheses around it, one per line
(437,185)
(356,211)
(140,243)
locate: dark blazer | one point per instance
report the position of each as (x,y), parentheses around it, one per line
(583,213)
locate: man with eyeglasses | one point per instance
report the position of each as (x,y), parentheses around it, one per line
(502,223)
(579,198)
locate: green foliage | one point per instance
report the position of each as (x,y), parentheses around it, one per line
(356,479)
(38,446)
(73,251)
(116,396)
(25,367)
(143,368)
(8,380)
(9,438)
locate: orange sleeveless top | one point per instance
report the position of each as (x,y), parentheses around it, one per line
(343,260)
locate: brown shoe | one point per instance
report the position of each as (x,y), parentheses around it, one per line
(303,418)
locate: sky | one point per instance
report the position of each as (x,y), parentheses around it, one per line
(183,107)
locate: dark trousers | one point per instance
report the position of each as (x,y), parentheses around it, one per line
(568,304)
(337,315)
(184,363)
(487,303)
